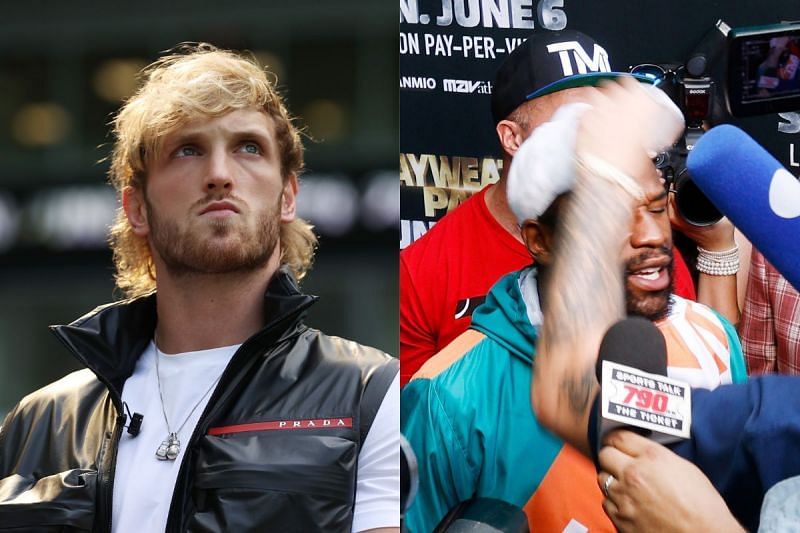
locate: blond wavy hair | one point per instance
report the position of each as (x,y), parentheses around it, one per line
(195,81)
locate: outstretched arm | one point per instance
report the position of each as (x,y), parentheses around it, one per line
(584,295)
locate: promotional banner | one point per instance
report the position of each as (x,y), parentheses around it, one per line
(450,50)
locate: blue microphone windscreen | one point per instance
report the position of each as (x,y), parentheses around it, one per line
(749,186)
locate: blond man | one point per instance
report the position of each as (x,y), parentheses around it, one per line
(207,404)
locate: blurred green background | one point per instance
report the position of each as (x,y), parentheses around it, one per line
(64,70)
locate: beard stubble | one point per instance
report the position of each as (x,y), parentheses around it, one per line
(185,250)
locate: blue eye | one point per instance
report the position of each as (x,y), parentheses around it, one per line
(187,151)
(251,148)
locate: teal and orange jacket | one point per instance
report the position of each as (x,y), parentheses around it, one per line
(467,414)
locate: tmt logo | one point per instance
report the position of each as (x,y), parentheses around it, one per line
(597,62)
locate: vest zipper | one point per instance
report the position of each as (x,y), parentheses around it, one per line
(106,477)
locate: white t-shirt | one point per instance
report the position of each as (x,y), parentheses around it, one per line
(143,485)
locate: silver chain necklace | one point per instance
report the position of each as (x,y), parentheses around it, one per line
(171,446)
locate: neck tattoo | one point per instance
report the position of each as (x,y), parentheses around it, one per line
(170,447)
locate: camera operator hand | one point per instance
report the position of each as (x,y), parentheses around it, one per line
(717,291)
(653,489)
(717,237)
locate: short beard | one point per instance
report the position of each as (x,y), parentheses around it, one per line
(184,252)
(657,304)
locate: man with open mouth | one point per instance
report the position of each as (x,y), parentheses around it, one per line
(467,411)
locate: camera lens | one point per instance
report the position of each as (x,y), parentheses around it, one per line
(693,205)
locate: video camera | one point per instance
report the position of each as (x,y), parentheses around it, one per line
(763,76)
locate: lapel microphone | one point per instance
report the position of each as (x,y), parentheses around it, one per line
(135,425)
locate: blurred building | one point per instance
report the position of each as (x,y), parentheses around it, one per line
(64,71)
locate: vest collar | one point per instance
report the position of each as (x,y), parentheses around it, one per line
(109,339)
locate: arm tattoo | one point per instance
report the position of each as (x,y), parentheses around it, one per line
(579,391)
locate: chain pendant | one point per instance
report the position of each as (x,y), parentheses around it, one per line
(169,448)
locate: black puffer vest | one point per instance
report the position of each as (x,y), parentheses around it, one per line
(276,448)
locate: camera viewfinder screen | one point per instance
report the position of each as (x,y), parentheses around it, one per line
(770,67)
